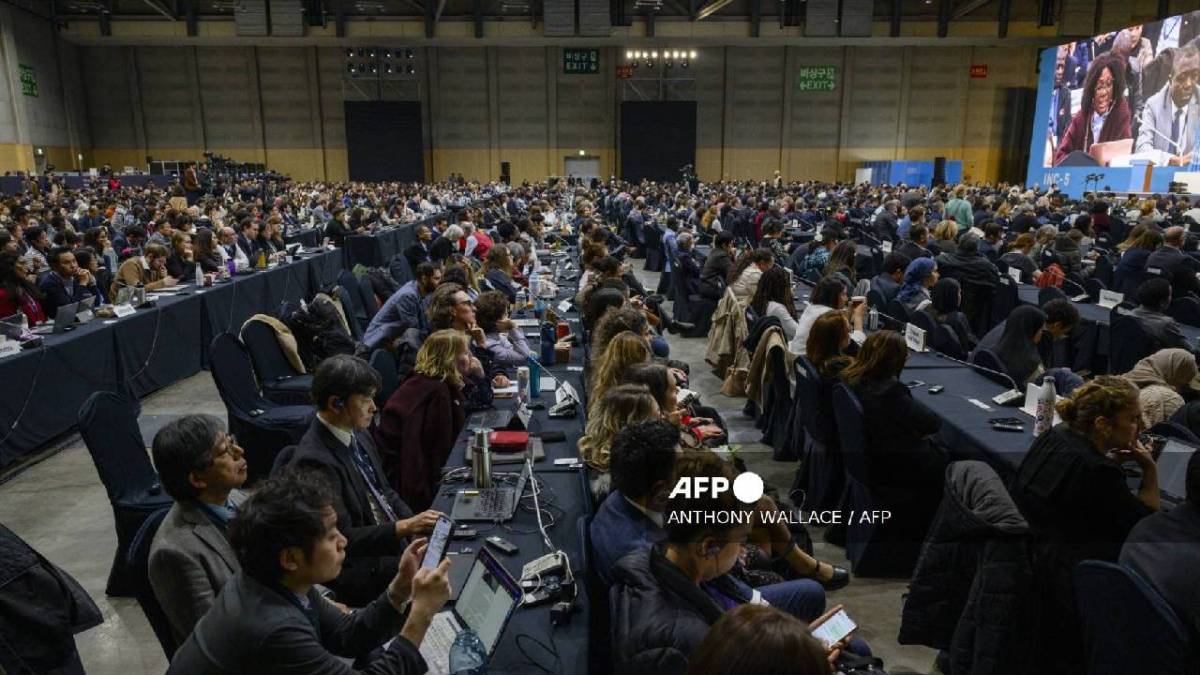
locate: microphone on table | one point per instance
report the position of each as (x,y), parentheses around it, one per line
(1082,289)
(999,399)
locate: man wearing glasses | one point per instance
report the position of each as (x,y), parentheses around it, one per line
(201,467)
(1169,121)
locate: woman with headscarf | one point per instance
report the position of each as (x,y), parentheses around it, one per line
(1103,114)
(968,265)
(1160,378)
(1016,345)
(946,309)
(920,276)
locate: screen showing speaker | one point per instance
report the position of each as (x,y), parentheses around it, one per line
(1124,97)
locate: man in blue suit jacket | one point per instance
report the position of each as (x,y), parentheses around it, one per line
(66,282)
(642,465)
(405,309)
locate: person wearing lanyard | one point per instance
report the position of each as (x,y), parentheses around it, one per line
(375,520)
(272,619)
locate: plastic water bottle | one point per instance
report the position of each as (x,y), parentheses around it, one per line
(520,302)
(873,319)
(467,655)
(199,275)
(1045,407)
(535,378)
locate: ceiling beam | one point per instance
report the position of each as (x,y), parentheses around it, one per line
(968,7)
(159,7)
(897,12)
(711,8)
(1005,9)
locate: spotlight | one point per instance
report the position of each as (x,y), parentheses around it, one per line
(408,53)
(371,54)
(349,53)
(388,69)
(675,54)
(670,64)
(387,54)
(628,55)
(411,70)
(683,64)
(693,55)
(350,68)
(374,69)
(654,55)
(649,63)
(582,153)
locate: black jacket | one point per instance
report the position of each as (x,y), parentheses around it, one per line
(689,268)
(41,610)
(56,294)
(971,592)
(256,628)
(372,549)
(659,616)
(715,275)
(969,269)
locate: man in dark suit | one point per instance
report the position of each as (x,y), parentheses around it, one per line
(915,247)
(1172,263)
(1060,100)
(1154,296)
(689,266)
(418,252)
(248,239)
(66,282)
(643,473)
(374,519)
(191,560)
(1164,549)
(271,619)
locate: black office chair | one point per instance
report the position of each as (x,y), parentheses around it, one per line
(366,298)
(690,307)
(821,476)
(977,301)
(776,410)
(385,364)
(945,340)
(1050,293)
(1118,608)
(875,299)
(1104,271)
(356,316)
(986,358)
(871,547)
(923,321)
(1185,311)
(281,382)
(138,561)
(897,311)
(599,627)
(1128,343)
(108,425)
(262,427)
(1093,286)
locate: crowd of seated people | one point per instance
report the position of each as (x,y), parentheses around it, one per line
(348,507)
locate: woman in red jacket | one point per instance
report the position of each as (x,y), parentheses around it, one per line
(1103,114)
(423,417)
(17,292)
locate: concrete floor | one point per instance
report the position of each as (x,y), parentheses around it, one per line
(61,509)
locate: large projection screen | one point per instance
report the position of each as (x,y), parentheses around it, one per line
(1119,111)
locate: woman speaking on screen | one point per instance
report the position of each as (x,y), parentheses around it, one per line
(1103,114)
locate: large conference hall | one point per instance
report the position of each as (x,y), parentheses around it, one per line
(591,337)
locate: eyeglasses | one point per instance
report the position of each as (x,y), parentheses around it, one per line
(1104,84)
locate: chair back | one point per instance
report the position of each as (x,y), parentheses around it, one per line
(945,340)
(851,427)
(922,320)
(1128,343)
(1119,609)
(815,420)
(385,364)
(986,358)
(232,372)
(1050,293)
(283,458)
(109,427)
(1104,271)
(366,296)
(977,300)
(270,363)
(1174,429)
(138,560)
(1093,287)
(897,311)
(1132,281)
(356,316)
(875,299)
(1185,310)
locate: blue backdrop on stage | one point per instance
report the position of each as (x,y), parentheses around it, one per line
(1116,148)
(911,172)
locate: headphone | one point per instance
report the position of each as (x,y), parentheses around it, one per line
(712,550)
(339,403)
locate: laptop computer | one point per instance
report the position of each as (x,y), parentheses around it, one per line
(1172,470)
(64,320)
(83,313)
(495,504)
(487,601)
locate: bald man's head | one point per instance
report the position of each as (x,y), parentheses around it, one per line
(1173,236)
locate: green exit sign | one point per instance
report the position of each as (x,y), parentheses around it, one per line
(29,86)
(581,61)
(816,78)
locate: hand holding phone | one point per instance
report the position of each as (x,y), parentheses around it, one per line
(436,550)
(833,627)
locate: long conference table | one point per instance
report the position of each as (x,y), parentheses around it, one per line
(157,346)
(565,503)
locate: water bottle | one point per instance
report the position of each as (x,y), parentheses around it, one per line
(1045,407)
(231,266)
(534,282)
(467,655)
(481,459)
(523,386)
(520,302)
(873,319)
(535,378)
(199,275)
(549,337)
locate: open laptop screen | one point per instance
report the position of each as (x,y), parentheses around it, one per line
(1172,469)
(487,599)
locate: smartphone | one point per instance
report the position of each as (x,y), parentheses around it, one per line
(913,384)
(833,626)
(436,549)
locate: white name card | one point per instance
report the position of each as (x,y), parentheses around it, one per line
(885,246)
(564,306)
(1110,299)
(123,310)
(84,316)
(914,337)
(1014,274)
(9,347)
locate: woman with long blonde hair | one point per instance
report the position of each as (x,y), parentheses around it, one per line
(422,418)
(625,350)
(620,406)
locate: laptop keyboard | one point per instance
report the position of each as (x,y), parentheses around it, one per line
(436,645)
(494,502)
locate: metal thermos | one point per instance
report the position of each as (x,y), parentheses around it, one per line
(481,459)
